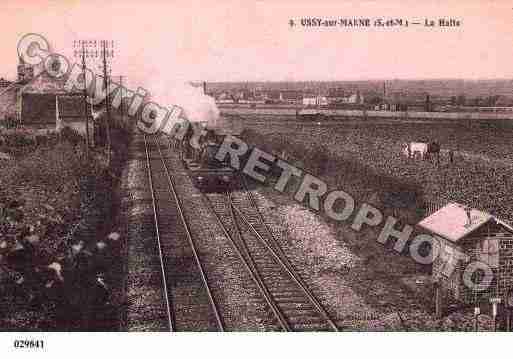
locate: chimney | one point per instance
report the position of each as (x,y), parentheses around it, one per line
(204,87)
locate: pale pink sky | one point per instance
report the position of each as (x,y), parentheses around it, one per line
(222,40)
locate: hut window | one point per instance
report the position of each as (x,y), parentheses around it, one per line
(488,252)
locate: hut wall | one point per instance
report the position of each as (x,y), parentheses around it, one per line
(449,282)
(478,247)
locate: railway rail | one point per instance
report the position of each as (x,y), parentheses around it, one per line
(187,295)
(293,304)
(256,222)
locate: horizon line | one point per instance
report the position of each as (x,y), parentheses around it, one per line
(369,79)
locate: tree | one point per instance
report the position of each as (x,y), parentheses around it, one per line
(375,100)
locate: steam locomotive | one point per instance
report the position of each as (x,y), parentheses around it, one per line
(198,149)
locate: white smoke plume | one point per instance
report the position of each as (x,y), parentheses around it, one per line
(195,105)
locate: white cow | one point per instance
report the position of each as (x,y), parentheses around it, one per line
(411,149)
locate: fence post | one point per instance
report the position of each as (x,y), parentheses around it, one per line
(438,299)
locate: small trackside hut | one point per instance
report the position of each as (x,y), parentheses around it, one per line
(480,237)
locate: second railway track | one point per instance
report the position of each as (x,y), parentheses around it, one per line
(293,304)
(197,292)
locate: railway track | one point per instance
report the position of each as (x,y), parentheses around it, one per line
(256,222)
(249,248)
(188,299)
(292,303)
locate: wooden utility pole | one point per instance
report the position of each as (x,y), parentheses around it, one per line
(122,94)
(85,103)
(107,102)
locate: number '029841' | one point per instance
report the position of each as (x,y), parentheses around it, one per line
(29,344)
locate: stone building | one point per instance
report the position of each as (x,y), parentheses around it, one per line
(479,235)
(8,101)
(40,102)
(25,72)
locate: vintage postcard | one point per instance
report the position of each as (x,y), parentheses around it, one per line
(255,166)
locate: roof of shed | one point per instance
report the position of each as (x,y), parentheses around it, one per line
(451,222)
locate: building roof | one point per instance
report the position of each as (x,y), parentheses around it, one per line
(4,82)
(451,222)
(291,95)
(43,83)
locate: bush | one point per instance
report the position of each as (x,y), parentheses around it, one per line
(9,122)
(19,139)
(52,166)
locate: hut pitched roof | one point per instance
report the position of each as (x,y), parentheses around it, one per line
(452,221)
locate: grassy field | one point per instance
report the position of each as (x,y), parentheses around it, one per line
(365,160)
(367,157)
